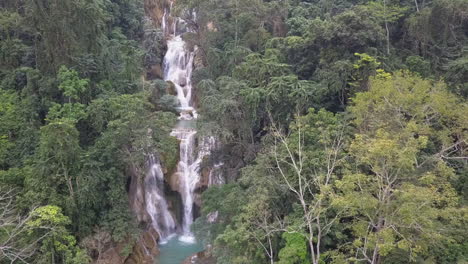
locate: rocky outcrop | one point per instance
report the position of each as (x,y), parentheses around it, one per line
(198,62)
(113,255)
(155,47)
(173,181)
(209,176)
(204,178)
(171,89)
(154,72)
(106,251)
(145,249)
(136,195)
(203,257)
(202,185)
(155,10)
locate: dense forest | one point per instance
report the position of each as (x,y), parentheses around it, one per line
(341,128)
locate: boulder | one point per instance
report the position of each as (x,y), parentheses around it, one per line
(171,89)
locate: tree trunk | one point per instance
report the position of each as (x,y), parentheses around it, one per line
(388,38)
(271,251)
(311,232)
(386,27)
(376,255)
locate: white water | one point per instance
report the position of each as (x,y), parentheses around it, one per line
(156,204)
(178,67)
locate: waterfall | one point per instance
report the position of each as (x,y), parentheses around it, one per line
(156,205)
(178,67)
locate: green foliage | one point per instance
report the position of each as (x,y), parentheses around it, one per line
(58,245)
(68,111)
(384,12)
(305,186)
(11,120)
(72,123)
(129,131)
(457,72)
(55,178)
(295,250)
(71,84)
(403,178)
(344,56)
(417,64)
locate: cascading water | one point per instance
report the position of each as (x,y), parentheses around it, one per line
(178,66)
(156,204)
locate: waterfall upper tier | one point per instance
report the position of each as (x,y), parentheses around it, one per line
(178,67)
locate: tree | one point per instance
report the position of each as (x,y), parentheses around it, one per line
(57,244)
(71,84)
(40,236)
(128,133)
(12,121)
(295,251)
(308,161)
(13,230)
(457,72)
(55,180)
(384,13)
(403,149)
(76,30)
(436,32)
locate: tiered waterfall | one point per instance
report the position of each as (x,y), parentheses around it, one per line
(178,67)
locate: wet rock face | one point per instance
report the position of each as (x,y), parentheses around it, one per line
(136,197)
(155,10)
(205,178)
(174,201)
(146,246)
(202,185)
(145,249)
(198,61)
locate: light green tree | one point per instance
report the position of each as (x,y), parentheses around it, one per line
(57,245)
(398,190)
(71,84)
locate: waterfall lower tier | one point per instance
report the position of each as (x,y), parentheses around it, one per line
(187,175)
(156,204)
